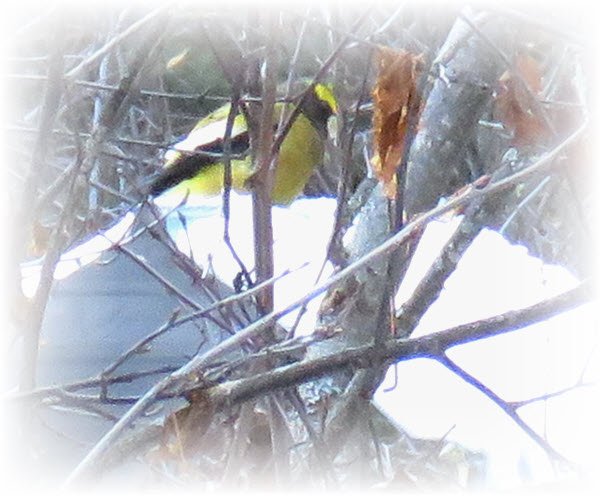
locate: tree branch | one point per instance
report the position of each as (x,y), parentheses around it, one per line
(265,172)
(430,346)
(364,357)
(116,40)
(506,407)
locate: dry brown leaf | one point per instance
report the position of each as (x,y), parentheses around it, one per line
(393,94)
(513,106)
(530,71)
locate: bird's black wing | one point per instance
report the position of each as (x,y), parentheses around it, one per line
(189,164)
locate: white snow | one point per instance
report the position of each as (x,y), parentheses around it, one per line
(493,277)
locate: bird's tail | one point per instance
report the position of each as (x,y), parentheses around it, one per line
(185,167)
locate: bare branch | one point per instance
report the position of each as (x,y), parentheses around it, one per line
(430,346)
(380,251)
(265,171)
(508,408)
(515,405)
(364,357)
(283,131)
(136,26)
(24,216)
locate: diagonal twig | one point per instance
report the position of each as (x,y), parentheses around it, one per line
(362,357)
(508,408)
(189,370)
(107,47)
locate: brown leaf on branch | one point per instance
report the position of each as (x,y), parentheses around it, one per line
(513,106)
(394,91)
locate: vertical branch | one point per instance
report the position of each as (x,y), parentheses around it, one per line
(261,193)
(34,309)
(38,304)
(232,64)
(398,266)
(227,178)
(96,198)
(347,128)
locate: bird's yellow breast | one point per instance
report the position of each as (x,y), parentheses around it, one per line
(301,151)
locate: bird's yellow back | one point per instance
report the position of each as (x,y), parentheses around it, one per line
(300,152)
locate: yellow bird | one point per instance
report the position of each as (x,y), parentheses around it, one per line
(301,151)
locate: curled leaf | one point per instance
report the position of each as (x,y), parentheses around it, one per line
(394,91)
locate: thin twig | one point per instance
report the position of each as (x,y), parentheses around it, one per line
(107,47)
(515,405)
(156,275)
(24,215)
(350,33)
(128,141)
(47,392)
(429,346)
(188,370)
(88,404)
(139,345)
(167,284)
(283,132)
(264,174)
(334,246)
(227,181)
(176,321)
(362,357)
(533,193)
(506,407)
(188,265)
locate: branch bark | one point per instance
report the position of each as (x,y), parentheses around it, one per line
(364,357)
(450,116)
(430,346)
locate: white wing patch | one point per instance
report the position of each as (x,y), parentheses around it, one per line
(197,138)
